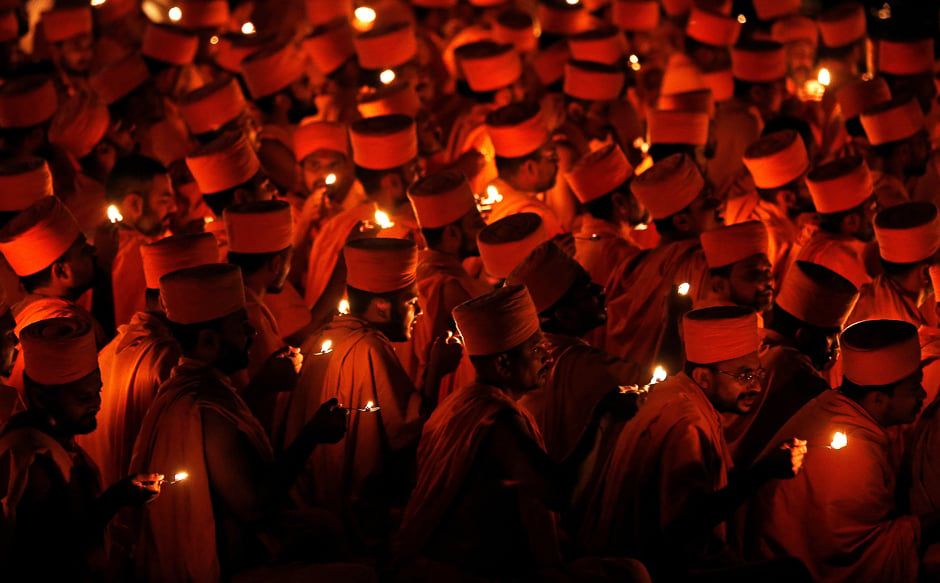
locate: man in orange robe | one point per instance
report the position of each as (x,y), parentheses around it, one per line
(798,348)
(450,222)
(141,356)
(908,238)
(666,493)
(462,519)
(55,264)
(840,516)
(526,161)
(53,513)
(639,290)
(901,144)
(223,520)
(353,361)
(140,189)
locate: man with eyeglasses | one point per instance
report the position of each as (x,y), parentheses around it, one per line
(669,489)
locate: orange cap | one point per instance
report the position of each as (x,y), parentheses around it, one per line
(38,236)
(563,18)
(604,45)
(892,122)
(234,47)
(842,25)
(199,14)
(225,162)
(320,135)
(548,273)
(58,351)
(330,45)
(817,295)
(759,62)
(773,9)
(880,352)
(517,28)
(712,28)
(384,142)
(599,173)
(861,94)
(470,34)
(593,81)
(62,24)
(441,199)
(840,185)
(549,64)
(177,252)
(113,10)
(213,105)
(728,245)
(506,242)
(23,181)
(488,66)
(517,130)
(635,15)
(692,102)
(27,102)
(380,265)
(263,226)
(720,333)
(669,185)
(904,56)
(777,159)
(675,8)
(498,321)
(398,97)
(169,45)
(681,76)
(908,232)
(116,80)
(721,84)
(795,28)
(80,124)
(386,47)
(677,127)
(322,11)
(202,293)
(271,70)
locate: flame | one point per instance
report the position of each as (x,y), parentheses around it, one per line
(214,40)
(659,375)
(248,28)
(572,2)
(369,406)
(364,18)
(343,307)
(824,77)
(98,2)
(208,220)
(382,220)
(175,14)
(492,195)
(326,347)
(634,59)
(330,179)
(839,440)
(114,215)
(742,19)
(178,476)
(387,76)
(641,145)
(684,289)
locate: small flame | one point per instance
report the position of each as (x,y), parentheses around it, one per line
(343,306)
(684,289)
(369,406)
(387,76)
(824,77)
(175,14)
(326,347)
(208,220)
(634,59)
(572,2)
(365,14)
(492,195)
(742,19)
(382,220)
(114,215)
(214,40)
(248,28)
(98,2)
(839,440)
(641,145)
(178,476)
(659,375)
(330,179)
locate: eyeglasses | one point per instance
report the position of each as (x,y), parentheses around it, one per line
(747,378)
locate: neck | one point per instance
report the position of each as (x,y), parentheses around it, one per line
(57,291)
(485,380)
(908,283)
(517,186)
(676,236)
(257,283)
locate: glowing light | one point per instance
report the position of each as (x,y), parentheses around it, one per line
(365,14)
(824,77)
(330,179)
(382,220)
(175,14)
(98,2)
(634,59)
(369,406)
(387,76)
(572,2)
(326,347)
(884,13)
(208,220)
(684,289)
(114,215)
(492,195)
(214,40)
(659,375)
(742,19)
(641,145)
(839,440)
(343,307)
(180,476)
(248,28)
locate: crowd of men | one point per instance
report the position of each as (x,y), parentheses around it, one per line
(469,290)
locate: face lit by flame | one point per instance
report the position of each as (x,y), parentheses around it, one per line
(114,215)
(839,440)
(382,220)
(659,375)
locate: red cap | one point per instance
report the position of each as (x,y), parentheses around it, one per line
(498,321)
(599,173)
(774,9)
(759,62)
(904,56)
(862,94)
(398,97)
(777,159)
(38,236)
(62,24)
(380,265)
(177,252)
(441,199)
(203,14)
(271,70)
(892,122)
(384,142)
(721,333)
(224,163)
(548,273)
(842,25)
(116,80)
(488,66)
(564,19)
(330,45)
(58,351)
(669,185)
(169,45)
(505,243)
(23,181)
(840,185)
(213,105)
(549,64)
(79,125)
(516,28)
(817,295)
(517,130)
(593,81)
(677,127)
(795,28)
(635,15)
(386,47)
(264,226)
(27,102)
(320,135)
(728,245)
(712,28)
(604,45)
(323,11)
(880,352)
(908,232)
(202,293)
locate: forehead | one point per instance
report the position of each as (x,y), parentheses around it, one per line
(324,157)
